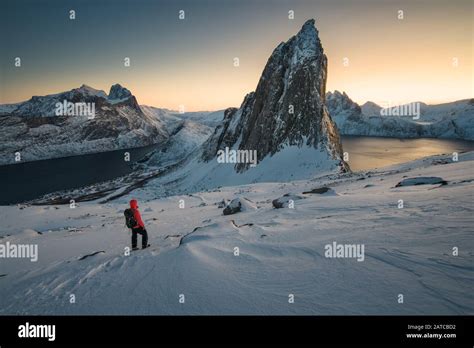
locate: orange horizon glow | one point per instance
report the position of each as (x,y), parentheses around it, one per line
(390,60)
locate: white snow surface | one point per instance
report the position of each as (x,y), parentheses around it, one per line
(290,163)
(206,118)
(188,131)
(282,251)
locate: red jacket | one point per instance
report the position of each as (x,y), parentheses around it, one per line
(136,214)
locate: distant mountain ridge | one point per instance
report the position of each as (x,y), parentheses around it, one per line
(35,130)
(45,106)
(453,120)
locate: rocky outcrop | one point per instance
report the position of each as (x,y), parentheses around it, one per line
(422,180)
(118,92)
(233,207)
(287,200)
(321,191)
(288,107)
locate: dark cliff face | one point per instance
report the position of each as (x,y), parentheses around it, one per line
(288,106)
(119,92)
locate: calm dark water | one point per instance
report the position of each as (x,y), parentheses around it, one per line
(25,181)
(367,153)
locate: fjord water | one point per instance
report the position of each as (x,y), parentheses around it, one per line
(366,153)
(26,181)
(29,180)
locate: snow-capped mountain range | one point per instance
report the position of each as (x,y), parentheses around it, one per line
(450,120)
(289,110)
(33,128)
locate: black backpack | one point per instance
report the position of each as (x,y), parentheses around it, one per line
(129,218)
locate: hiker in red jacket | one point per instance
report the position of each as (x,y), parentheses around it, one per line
(137,226)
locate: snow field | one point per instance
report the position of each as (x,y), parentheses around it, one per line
(408,251)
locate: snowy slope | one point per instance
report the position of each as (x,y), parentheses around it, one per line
(407,251)
(187,132)
(186,140)
(370,108)
(164,116)
(207,118)
(290,163)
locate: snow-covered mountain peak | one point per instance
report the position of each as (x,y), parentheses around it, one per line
(370,104)
(89,91)
(371,109)
(338,103)
(308,27)
(336,95)
(287,110)
(117,92)
(307,40)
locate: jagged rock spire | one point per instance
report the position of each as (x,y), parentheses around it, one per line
(288,106)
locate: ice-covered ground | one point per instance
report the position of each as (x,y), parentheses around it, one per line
(408,250)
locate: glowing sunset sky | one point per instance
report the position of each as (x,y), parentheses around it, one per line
(190,62)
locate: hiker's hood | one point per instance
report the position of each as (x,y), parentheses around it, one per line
(133,204)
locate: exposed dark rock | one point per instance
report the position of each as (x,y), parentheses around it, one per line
(287,108)
(119,92)
(95,253)
(239,226)
(319,190)
(422,180)
(222,204)
(284,201)
(233,207)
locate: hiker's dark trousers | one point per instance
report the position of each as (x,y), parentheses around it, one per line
(142,231)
